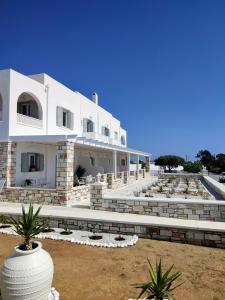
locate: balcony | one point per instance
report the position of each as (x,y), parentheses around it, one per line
(29,121)
(98,137)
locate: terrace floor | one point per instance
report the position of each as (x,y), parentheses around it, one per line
(84,272)
(114,217)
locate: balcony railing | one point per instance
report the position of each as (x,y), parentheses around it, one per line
(98,136)
(29,121)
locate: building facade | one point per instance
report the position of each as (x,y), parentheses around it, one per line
(48,131)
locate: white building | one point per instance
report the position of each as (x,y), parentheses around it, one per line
(39,121)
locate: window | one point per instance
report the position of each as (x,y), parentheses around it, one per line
(64,118)
(123,162)
(105,131)
(116,135)
(123,141)
(88,125)
(32,162)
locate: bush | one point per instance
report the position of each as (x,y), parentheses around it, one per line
(192,167)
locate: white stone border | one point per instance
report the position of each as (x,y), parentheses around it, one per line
(82,238)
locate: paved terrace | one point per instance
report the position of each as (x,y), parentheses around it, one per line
(57,212)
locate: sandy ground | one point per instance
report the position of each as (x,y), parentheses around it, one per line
(84,272)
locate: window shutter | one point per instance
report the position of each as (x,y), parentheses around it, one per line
(41,162)
(24,162)
(70,120)
(85,125)
(103,130)
(59,116)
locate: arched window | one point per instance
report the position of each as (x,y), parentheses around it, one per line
(123,141)
(1,108)
(29,105)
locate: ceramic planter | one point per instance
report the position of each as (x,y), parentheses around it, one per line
(27,275)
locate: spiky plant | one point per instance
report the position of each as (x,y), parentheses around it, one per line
(160,190)
(160,284)
(27,226)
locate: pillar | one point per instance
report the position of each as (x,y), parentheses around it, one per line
(115,162)
(128,163)
(147,163)
(8,163)
(64,166)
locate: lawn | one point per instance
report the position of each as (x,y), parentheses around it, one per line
(84,272)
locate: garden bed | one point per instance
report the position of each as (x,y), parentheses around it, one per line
(186,188)
(107,240)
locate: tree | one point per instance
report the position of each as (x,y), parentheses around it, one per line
(192,167)
(219,165)
(206,158)
(169,161)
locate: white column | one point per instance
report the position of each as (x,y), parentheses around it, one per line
(115,162)
(128,163)
(137,162)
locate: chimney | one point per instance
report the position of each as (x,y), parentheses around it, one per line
(95,98)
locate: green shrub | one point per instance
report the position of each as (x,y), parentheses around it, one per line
(192,167)
(160,284)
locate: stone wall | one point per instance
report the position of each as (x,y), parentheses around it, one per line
(8,162)
(114,182)
(45,196)
(215,185)
(211,210)
(188,236)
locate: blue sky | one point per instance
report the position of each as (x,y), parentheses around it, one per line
(158,66)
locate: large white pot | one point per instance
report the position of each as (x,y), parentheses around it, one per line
(27,275)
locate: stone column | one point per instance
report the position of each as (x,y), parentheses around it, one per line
(64,166)
(97,191)
(147,164)
(137,167)
(128,163)
(8,163)
(115,162)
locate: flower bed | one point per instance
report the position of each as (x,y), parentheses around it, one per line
(107,240)
(185,188)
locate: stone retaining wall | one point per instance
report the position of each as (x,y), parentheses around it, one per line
(163,208)
(215,185)
(172,234)
(211,210)
(45,196)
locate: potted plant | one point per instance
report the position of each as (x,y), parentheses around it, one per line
(28,182)
(160,285)
(28,272)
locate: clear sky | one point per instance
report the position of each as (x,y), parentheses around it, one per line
(157,65)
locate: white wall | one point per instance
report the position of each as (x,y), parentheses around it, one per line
(4,91)
(18,85)
(50,94)
(49,152)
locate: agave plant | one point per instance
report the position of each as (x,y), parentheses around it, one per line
(27,226)
(160,284)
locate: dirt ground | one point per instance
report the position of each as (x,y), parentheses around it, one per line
(87,273)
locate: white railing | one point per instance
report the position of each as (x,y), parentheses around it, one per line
(29,121)
(98,136)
